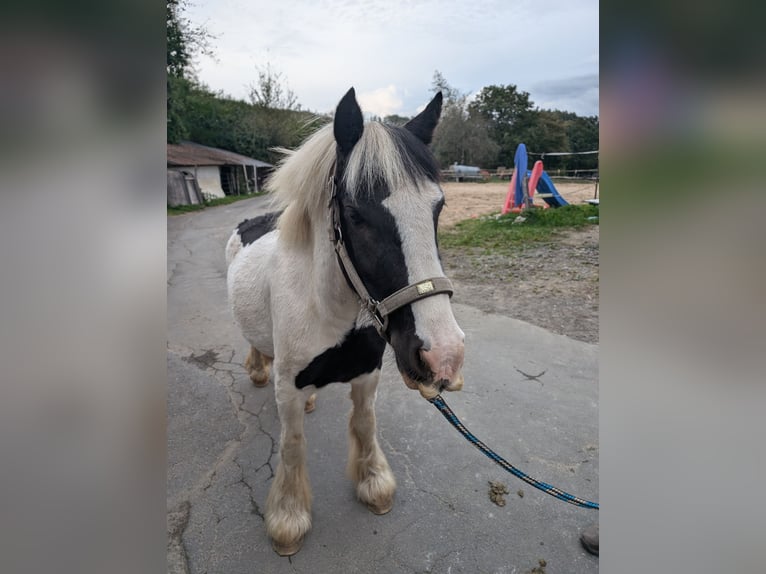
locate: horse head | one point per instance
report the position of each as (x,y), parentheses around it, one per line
(388,203)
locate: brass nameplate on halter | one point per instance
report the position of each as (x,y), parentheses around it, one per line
(424,287)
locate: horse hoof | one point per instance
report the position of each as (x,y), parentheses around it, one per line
(287,549)
(258,382)
(311,404)
(380,509)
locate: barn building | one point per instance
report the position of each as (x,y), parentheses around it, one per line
(197,171)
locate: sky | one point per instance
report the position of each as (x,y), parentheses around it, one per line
(388,50)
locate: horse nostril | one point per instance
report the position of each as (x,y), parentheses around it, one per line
(423,366)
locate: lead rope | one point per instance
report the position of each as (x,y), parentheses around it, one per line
(439,403)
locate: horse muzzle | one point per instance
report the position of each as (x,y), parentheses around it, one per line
(445,371)
(430,390)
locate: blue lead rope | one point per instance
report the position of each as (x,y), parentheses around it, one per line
(439,403)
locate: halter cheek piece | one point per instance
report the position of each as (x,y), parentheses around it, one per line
(380,310)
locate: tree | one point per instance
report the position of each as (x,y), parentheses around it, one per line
(276,115)
(439,84)
(396,119)
(178,51)
(183,41)
(503,106)
(461,136)
(269,91)
(545,131)
(507,112)
(582,133)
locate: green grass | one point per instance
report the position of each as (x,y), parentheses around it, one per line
(210,203)
(500,233)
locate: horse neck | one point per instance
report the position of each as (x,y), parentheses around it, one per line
(333,291)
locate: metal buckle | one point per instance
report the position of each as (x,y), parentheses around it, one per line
(372,307)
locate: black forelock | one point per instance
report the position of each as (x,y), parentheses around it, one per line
(417,157)
(417,160)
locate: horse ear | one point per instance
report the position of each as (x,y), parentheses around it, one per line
(424,124)
(348,123)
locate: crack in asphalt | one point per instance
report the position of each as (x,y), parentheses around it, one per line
(208,360)
(244,415)
(254,507)
(177,520)
(214,361)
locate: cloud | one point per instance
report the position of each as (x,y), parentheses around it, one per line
(381,102)
(325,46)
(575,93)
(567,87)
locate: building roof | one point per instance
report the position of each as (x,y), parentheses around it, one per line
(190,153)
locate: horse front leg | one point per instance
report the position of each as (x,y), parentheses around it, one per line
(288,506)
(367,465)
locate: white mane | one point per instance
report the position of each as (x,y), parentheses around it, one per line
(300,185)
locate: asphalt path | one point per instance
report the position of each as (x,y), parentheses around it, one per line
(530,394)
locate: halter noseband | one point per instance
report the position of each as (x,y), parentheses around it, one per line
(380,310)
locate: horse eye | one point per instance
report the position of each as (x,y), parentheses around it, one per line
(356,217)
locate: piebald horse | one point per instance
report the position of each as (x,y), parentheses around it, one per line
(348,263)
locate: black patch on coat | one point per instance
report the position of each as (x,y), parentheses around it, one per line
(360,352)
(375,247)
(251,229)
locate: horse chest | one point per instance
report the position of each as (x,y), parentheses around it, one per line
(360,352)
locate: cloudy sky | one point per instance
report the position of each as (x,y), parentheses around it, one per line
(388,49)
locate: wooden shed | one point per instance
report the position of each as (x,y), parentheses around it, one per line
(213,172)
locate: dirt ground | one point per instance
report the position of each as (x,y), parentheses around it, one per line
(554,285)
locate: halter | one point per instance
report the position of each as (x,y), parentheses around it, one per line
(380,310)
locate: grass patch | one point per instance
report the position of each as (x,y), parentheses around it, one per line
(499,233)
(211,202)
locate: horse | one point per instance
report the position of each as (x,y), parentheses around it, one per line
(348,263)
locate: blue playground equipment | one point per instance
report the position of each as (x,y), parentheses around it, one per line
(520,163)
(548,192)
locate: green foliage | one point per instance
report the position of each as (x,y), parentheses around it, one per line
(508,112)
(503,106)
(582,133)
(178,49)
(572,216)
(396,119)
(500,233)
(177,95)
(184,40)
(269,91)
(461,137)
(440,84)
(513,120)
(544,130)
(252,130)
